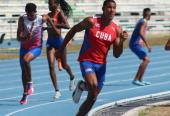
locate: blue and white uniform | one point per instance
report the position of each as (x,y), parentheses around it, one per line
(33,45)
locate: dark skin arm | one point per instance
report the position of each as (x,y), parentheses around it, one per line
(167,46)
(48,19)
(21,36)
(85,24)
(64,23)
(143,36)
(118,44)
(20,31)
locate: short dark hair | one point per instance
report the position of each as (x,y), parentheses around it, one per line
(106,1)
(30,7)
(145,11)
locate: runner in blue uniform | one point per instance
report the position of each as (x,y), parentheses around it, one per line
(135,44)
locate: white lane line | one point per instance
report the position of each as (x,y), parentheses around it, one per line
(40,84)
(123,90)
(71,57)
(127,52)
(108,75)
(66,100)
(77,66)
(40,64)
(148,77)
(39,93)
(123,67)
(108,82)
(39,105)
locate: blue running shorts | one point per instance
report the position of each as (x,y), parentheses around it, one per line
(54,42)
(99,69)
(35,51)
(139,51)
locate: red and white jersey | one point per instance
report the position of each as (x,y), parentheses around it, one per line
(97,41)
(55,18)
(36,27)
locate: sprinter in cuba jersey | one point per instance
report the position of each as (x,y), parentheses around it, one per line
(100,34)
(97,41)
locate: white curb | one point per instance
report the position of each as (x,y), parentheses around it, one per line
(125,101)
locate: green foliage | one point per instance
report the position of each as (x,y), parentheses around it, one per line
(143,112)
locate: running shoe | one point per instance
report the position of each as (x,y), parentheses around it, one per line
(72,85)
(146,83)
(137,82)
(57,95)
(24,99)
(77,92)
(30,88)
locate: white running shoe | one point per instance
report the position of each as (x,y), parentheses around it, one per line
(146,83)
(72,85)
(137,82)
(57,95)
(77,92)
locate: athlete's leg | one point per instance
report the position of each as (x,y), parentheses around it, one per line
(26,75)
(51,64)
(66,66)
(93,91)
(94,76)
(142,68)
(26,56)
(27,67)
(59,64)
(24,81)
(58,43)
(68,69)
(141,53)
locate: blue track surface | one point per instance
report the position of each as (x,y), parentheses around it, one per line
(120,73)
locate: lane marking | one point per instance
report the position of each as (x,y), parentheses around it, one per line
(108,75)
(123,67)
(66,100)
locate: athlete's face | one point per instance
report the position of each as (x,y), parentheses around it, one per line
(109,10)
(53,8)
(31,15)
(149,16)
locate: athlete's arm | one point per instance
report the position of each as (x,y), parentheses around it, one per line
(20,30)
(118,44)
(85,24)
(64,23)
(46,18)
(143,35)
(167,45)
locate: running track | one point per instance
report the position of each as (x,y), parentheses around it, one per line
(118,86)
